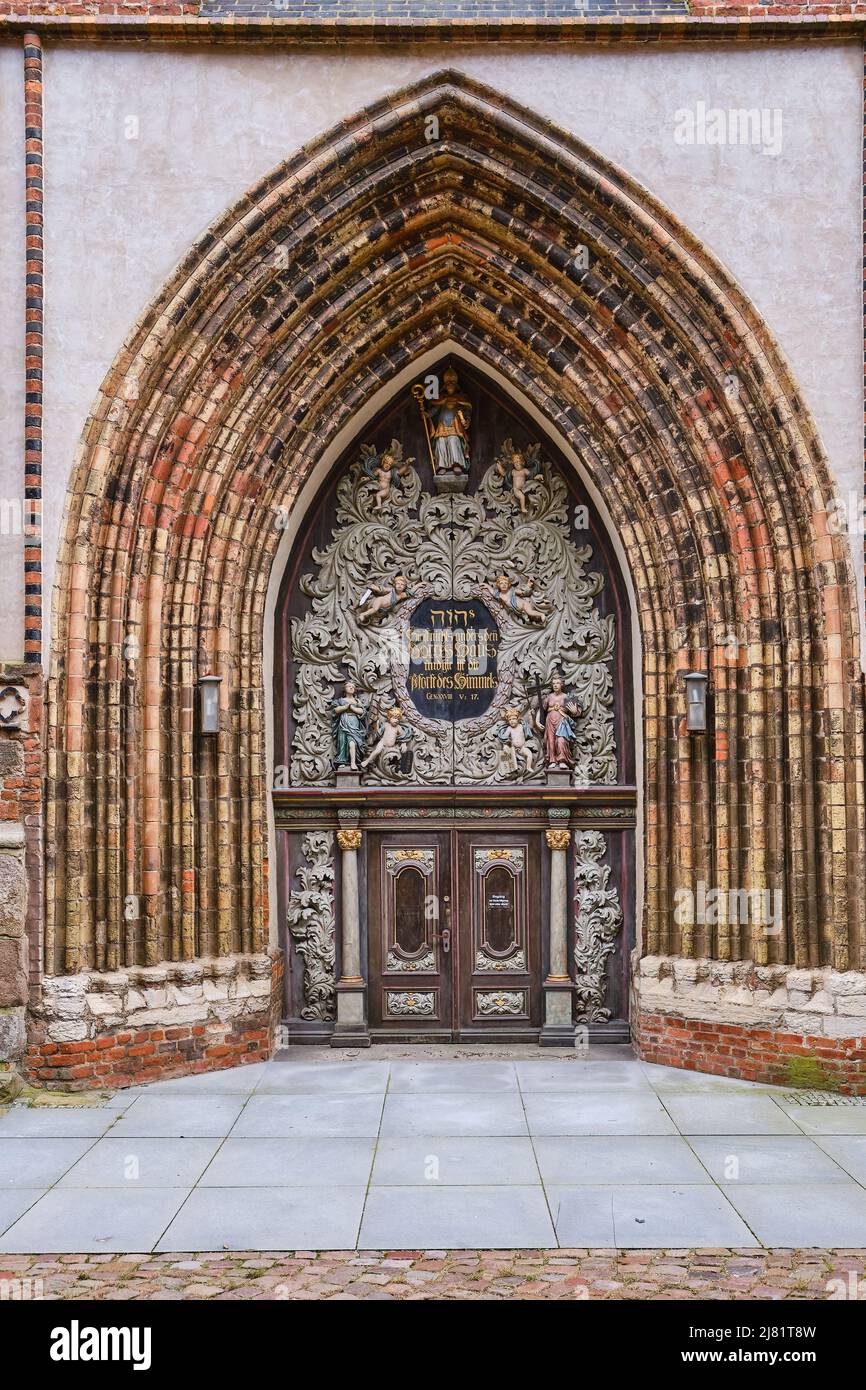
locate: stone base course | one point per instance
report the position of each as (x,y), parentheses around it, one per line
(121,1028)
(412,1275)
(736,1018)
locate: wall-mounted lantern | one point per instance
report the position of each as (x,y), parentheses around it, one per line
(209,703)
(696,701)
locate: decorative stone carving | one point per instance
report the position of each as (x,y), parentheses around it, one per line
(501,1002)
(378,600)
(421,965)
(397,859)
(393,737)
(486,859)
(312,924)
(555,719)
(419,1005)
(517,734)
(381,468)
(516,962)
(597,924)
(517,467)
(516,596)
(382,543)
(13,706)
(557,839)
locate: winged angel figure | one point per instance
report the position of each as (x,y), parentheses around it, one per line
(381,468)
(518,467)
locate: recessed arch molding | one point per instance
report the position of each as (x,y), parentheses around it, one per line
(446,214)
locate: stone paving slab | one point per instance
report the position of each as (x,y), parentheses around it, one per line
(849,1151)
(38,1162)
(637,1217)
(255,1218)
(468,1114)
(397,1275)
(455,1161)
(94,1219)
(753,1158)
(803,1214)
(306,1162)
(132,1163)
(458,1217)
(604,1158)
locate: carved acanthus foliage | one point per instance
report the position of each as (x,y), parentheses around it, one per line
(501,1002)
(404,546)
(312,924)
(515,962)
(424,964)
(598,922)
(420,1004)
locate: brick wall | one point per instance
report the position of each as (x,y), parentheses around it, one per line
(328,11)
(753,1054)
(736,1018)
(98,7)
(20,847)
(780,9)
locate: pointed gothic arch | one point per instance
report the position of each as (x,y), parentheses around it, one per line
(446,213)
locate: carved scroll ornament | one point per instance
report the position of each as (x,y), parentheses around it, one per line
(312,924)
(598,923)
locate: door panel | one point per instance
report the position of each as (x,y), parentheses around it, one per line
(409,945)
(500,917)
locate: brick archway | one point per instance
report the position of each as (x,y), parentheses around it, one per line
(447,214)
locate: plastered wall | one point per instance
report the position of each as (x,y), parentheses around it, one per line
(145,147)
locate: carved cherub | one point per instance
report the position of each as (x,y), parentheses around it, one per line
(381,468)
(518,598)
(378,599)
(393,737)
(520,466)
(516,733)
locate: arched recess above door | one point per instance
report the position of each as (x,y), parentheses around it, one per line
(445,213)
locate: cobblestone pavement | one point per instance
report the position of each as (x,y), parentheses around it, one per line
(440,1274)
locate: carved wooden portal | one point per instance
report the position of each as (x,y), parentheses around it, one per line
(454,762)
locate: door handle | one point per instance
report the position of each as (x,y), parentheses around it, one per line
(445,935)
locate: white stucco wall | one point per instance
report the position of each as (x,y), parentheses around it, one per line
(145,148)
(11,352)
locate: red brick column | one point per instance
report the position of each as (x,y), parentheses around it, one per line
(33,350)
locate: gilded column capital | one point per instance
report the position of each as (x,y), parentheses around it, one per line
(557,839)
(349,839)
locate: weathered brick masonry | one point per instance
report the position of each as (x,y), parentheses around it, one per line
(753,1054)
(736,1018)
(21,869)
(127,1027)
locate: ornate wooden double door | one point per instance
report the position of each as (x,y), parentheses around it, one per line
(454,933)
